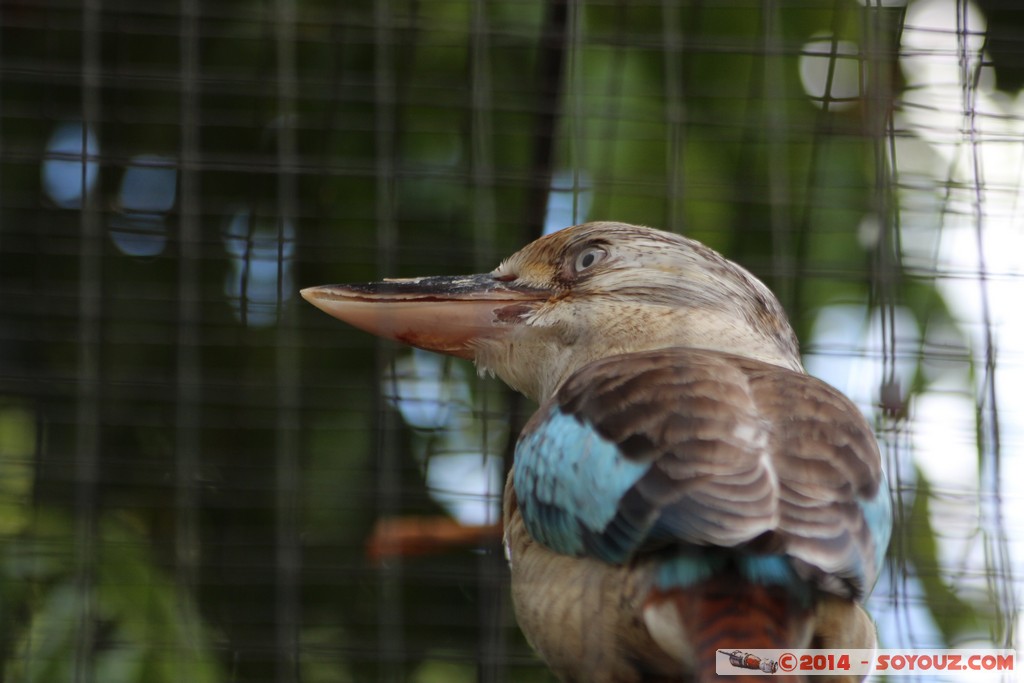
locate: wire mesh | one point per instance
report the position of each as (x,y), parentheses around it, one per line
(192,462)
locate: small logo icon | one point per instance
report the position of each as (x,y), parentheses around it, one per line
(745,660)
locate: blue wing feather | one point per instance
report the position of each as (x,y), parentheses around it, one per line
(877,513)
(569,482)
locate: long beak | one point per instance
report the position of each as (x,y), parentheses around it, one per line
(443,314)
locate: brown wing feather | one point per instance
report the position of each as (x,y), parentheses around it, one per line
(827,460)
(739,451)
(692,416)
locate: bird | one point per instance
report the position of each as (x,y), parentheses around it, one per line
(685,489)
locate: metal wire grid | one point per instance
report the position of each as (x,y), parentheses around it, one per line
(170,418)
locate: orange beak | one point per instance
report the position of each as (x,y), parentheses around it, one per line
(442,314)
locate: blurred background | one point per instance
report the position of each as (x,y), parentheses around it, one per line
(192,459)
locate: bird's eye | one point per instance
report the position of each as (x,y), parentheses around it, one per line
(589,257)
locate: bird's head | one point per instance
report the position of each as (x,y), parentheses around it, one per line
(572,297)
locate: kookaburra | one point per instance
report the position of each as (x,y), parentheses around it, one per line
(684,488)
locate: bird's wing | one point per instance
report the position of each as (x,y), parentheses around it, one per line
(682,448)
(836,514)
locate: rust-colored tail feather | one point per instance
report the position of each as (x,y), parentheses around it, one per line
(727,614)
